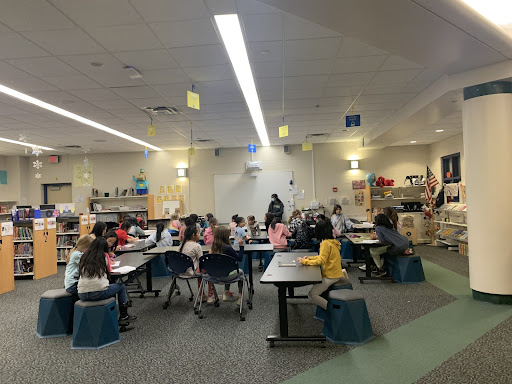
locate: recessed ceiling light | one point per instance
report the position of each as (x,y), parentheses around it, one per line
(96,64)
(439,130)
(413,141)
(231,32)
(63,112)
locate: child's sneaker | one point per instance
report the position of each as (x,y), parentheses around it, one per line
(380,273)
(210,299)
(228,296)
(362,267)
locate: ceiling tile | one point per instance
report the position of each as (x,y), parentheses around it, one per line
(354,48)
(71,82)
(200,56)
(173,90)
(308,67)
(85,13)
(170,10)
(115,79)
(298,28)
(126,37)
(29,84)
(358,64)
(340,91)
(267,68)
(212,73)
(221,7)
(292,94)
(149,102)
(64,42)
(136,92)
(13,46)
(83,63)
(305,82)
(44,66)
(265,51)
(349,79)
(9,110)
(390,77)
(246,7)
(29,15)
(165,76)
(397,62)
(112,104)
(186,33)
(8,71)
(316,48)
(147,60)
(263,27)
(94,94)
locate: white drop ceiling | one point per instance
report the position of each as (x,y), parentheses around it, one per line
(71,53)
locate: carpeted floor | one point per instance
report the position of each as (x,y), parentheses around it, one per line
(175,346)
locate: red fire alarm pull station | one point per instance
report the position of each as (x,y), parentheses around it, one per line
(335,189)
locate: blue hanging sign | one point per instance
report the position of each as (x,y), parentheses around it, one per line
(252,148)
(353,121)
(146,153)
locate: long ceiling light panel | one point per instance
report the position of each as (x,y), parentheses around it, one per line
(497,11)
(231,33)
(63,112)
(26,144)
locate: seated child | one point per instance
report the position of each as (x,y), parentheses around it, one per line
(254,226)
(207,222)
(277,234)
(122,234)
(176,224)
(385,233)
(208,233)
(71,277)
(303,234)
(240,231)
(141,221)
(161,237)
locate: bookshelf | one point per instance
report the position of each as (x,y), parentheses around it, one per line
(6,252)
(66,236)
(451,225)
(114,208)
(5,209)
(34,248)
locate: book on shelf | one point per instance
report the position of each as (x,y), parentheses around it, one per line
(67,240)
(67,227)
(23,250)
(23,266)
(62,254)
(22,233)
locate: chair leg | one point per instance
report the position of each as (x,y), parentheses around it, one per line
(191,293)
(242,315)
(169,295)
(197,309)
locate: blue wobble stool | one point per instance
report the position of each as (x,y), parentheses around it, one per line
(340,284)
(347,320)
(408,269)
(95,324)
(55,316)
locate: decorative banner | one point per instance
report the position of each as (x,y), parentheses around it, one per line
(358,184)
(82,175)
(174,197)
(7,228)
(252,148)
(167,197)
(51,223)
(151,130)
(283,131)
(182,198)
(177,188)
(170,189)
(146,153)
(161,189)
(191,151)
(38,224)
(307,146)
(84,220)
(92,219)
(359,195)
(193,100)
(159,199)
(3,177)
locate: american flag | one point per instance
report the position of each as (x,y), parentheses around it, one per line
(431,183)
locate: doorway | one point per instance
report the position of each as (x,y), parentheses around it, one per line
(58,193)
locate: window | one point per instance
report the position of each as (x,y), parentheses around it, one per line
(450,166)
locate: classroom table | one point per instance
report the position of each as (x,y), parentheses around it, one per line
(365,241)
(138,246)
(148,232)
(176,248)
(289,277)
(363,227)
(261,238)
(142,264)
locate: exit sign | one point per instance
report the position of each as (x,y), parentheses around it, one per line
(54,159)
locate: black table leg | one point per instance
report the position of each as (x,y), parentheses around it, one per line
(367,258)
(251,286)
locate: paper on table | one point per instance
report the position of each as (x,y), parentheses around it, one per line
(125,269)
(368,242)
(128,245)
(281,264)
(115,264)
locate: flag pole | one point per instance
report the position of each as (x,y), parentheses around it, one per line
(432,237)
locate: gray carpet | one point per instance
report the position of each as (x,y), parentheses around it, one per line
(450,260)
(175,346)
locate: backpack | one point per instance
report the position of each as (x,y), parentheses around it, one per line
(440,198)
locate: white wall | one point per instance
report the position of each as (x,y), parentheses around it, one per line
(446,147)
(11,190)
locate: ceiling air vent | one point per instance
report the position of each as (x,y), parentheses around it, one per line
(72,146)
(203,140)
(162,110)
(317,134)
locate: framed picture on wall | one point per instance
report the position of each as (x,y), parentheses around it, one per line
(358,184)
(359,198)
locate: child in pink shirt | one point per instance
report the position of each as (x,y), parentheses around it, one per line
(277,234)
(208,233)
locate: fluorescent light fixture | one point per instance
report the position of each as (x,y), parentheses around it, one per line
(439,130)
(25,144)
(354,164)
(413,141)
(231,33)
(182,172)
(63,112)
(497,11)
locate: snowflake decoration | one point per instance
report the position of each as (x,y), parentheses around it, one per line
(37,151)
(37,164)
(37,175)
(23,137)
(86,175)
(86,162)
(85,150)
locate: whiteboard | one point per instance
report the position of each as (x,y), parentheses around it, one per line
(247,195)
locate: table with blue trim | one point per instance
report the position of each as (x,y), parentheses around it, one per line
(289,277)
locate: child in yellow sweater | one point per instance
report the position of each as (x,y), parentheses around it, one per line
(329,259)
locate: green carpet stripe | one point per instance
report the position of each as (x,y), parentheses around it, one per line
(407,353)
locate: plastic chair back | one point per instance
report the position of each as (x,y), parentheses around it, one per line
(178,262)
(218,265)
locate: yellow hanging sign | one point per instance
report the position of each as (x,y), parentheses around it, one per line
(151,130)
(191,151)
(307,146)
(283,131)
(193,100)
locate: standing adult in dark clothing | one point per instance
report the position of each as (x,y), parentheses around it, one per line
(276,207)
